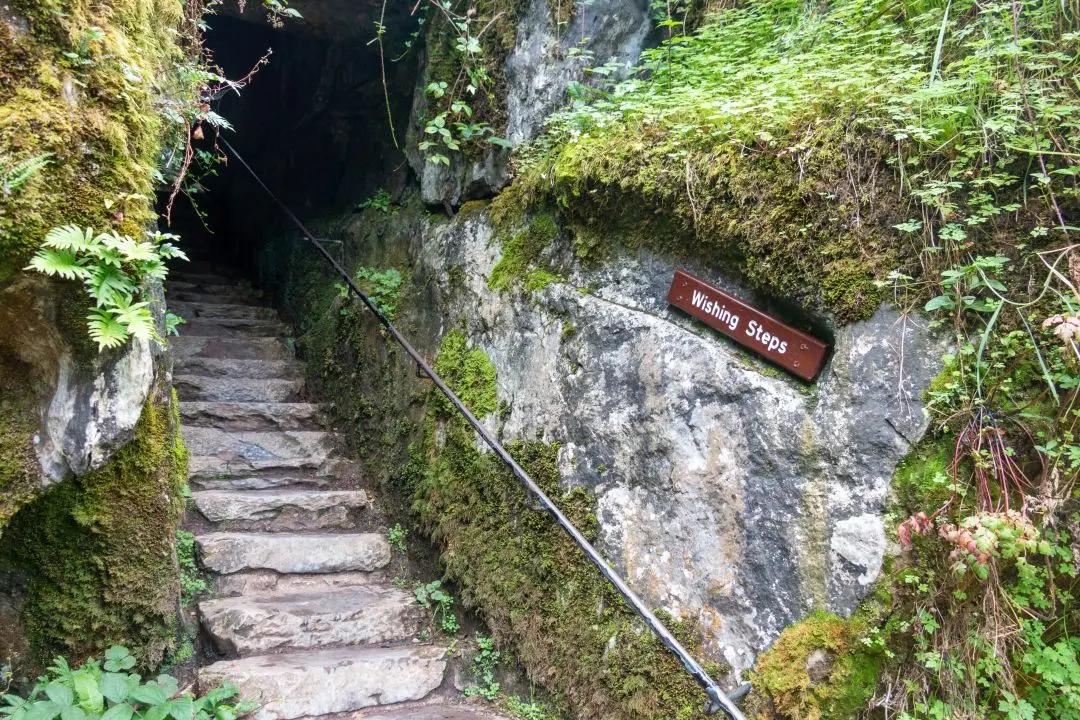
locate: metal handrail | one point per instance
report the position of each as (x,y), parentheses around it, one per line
(719,701)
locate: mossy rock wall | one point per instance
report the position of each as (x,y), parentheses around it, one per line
(95,555)
(83,85)
(86,90)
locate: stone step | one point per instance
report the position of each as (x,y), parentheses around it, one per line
(232,327)
(268,582)
(322,682)
(258,445)
(227,295)
(216,452)
(191,310)
(235,348)
(252,416)
(265,390)
(225,368)
(229,552)
(350,616)
(280,510)
(290,480)
(214,286)
(200,276)
(206,468)
(436,711)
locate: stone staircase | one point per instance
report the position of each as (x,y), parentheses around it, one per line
(303,614)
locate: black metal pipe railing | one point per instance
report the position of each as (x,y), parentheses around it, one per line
(718,700)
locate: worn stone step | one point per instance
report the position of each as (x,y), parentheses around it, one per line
(230,552)
(204,468)
(228,295)
(236,348)
(221,287)
(233,368)
(435,711)
(252,416)
(350,616)
(200,276)
(255,445)
(280,510)
(192,310)
(267,390)
(233,327)
(289,480)
(322,682)
(216,452)
(267,582)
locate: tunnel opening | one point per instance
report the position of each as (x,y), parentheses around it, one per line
(314,122)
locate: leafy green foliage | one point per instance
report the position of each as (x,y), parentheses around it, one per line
(192,582)
(383,287)
(434,597)
(484,664)
(397,537)
(382,201)
(466,43)
(113,269)
(107,691)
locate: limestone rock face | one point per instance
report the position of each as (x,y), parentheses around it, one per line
(94,413)
(538,72)
(540,68)
(89,404)
(728,492)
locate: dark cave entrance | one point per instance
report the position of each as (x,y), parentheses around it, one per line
(313,123)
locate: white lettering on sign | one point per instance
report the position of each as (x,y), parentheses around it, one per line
(754,329)
(771,342)
(718,310)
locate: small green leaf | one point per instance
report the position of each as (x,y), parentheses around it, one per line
(148,695)
(114,687)
(941,301)
(60,693)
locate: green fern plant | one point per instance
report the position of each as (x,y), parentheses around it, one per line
(13,177)
(112,267)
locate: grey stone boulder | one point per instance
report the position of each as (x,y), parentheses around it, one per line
(349,616)
(437,711)
(323,682)
(229,552)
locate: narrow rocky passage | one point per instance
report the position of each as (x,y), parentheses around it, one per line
(304,616)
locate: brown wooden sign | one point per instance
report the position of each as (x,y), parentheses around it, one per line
(789,348)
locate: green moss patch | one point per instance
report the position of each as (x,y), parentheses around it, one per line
(789,227)
(81,90)
(818,670)
(523,250)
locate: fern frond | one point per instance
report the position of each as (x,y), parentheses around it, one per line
(105,330)
(70,237)
(111,288)
(14,177)
(62,263)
